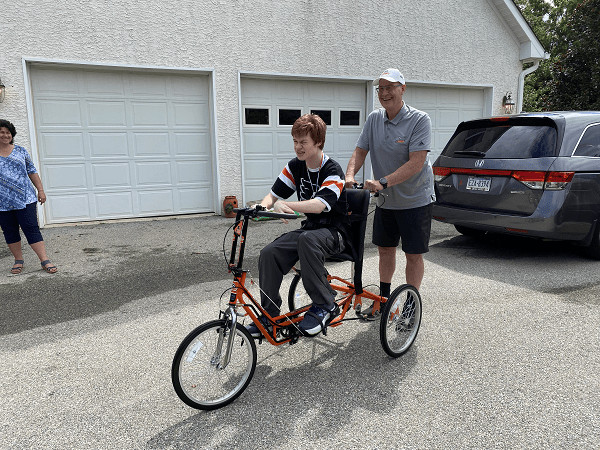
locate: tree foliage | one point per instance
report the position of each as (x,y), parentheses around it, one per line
(570,31)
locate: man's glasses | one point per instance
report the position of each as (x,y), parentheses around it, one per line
(387,88)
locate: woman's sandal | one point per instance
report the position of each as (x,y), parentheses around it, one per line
(48,267)
(17,270)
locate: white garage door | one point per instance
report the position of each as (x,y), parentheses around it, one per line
(118,143)
(270,107)
(447,107)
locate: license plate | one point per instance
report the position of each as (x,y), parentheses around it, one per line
(479,183)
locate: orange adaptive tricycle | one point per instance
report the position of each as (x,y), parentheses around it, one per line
(216,361)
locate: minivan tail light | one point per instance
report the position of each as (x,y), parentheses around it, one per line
(439,173)
(531,179)
(553,181)
(558,180)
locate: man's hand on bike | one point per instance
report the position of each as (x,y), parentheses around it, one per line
(373,186)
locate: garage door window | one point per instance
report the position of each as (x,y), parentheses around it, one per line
(289,116)
(256,116)
(349,118)
(324,114)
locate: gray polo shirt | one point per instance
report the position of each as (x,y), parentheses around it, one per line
(389,143)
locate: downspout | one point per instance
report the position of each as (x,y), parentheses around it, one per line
(521,87)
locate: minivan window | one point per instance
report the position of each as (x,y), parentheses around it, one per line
(589,145)
(503,142)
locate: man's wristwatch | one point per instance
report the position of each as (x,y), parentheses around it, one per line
(383,182)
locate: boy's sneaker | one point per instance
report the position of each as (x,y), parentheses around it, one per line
(255,332)
(315,320)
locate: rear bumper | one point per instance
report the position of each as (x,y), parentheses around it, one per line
(540,225)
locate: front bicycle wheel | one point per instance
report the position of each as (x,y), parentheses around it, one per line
(198,377)
(400,320)
(297,296)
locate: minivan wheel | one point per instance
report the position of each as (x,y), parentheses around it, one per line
(472,232)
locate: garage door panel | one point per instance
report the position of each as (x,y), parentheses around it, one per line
(104,84)
(65,176)
(66,83)
(147,85)
(59,113)
(191,200)
(258,143)
(289,91)
(321,93)
(285,144)
(114,204)
(472,97)
(193,172)
(151,144)
(448,97)
(470,114)
(349,94)
(261,170)
(108,145)
(256,192)
(106,113)
(188,114)
(256,90)
(150,114)
(68,207)
(110,175)
(192,144)
(190,88)
(63,145)
(448,118)
(153,173)
(156,201)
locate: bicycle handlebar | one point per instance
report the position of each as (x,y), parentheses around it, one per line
(255,212)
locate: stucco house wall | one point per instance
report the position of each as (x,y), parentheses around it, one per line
(456,42)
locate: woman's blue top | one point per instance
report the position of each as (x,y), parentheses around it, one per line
(16,189)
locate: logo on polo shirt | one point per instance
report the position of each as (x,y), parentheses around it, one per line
(400,141)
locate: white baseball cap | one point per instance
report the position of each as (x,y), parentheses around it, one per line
(392,75)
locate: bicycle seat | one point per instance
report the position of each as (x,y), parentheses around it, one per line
(358,210)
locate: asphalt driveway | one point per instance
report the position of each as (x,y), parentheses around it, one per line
(507,356)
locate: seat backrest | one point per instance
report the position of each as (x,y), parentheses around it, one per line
(358,210)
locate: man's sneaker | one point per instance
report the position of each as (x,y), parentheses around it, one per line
(368,313)
(253,329)
(315,320)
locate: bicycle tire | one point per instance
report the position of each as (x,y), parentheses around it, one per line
(400,320)
(297,296)
(194,373)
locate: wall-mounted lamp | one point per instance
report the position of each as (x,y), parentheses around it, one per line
(507,103)
(2,90)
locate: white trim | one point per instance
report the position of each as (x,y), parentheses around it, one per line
(210,72)
(299,77)
(84,63)
(215,143)
(241,127)
(41,209)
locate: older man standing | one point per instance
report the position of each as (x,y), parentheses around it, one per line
(398,138)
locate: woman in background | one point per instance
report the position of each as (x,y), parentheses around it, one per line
(18,199)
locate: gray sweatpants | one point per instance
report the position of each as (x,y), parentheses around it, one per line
(310,247)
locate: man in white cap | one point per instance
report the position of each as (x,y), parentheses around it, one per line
(398,138)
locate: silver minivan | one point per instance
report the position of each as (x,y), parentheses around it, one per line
(534,174)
